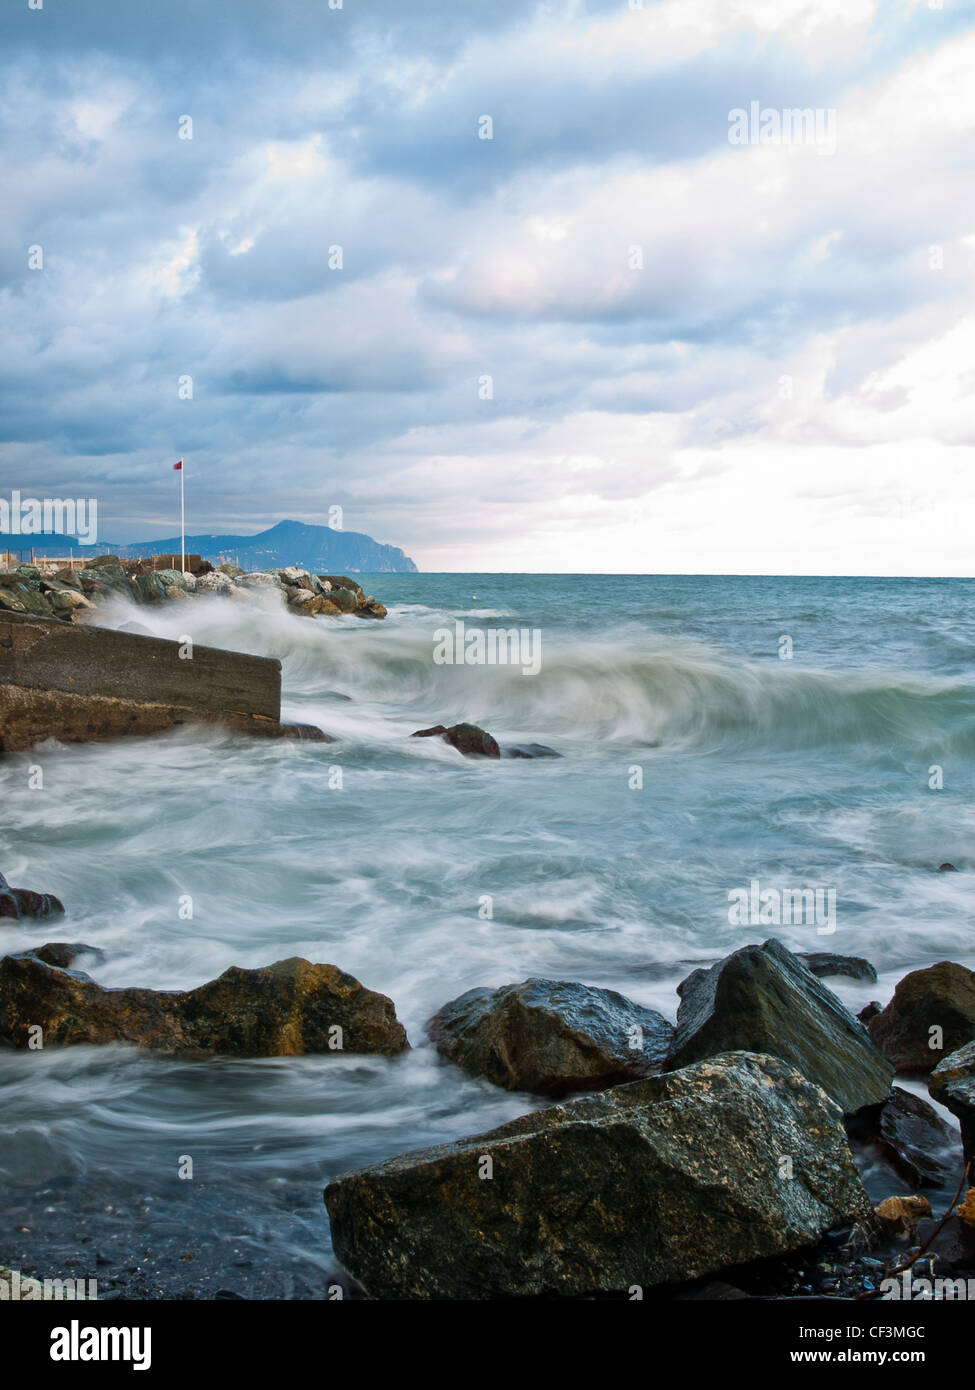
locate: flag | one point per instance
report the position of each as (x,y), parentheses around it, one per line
(178,466)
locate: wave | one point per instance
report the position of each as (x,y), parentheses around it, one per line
(647,691)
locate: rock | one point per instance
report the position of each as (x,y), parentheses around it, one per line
(230,571)
(370,609)
(151,588)
(898,1217)
(826,963)
(343,599)
(66,602)
(660,1181)
(103,562)
(214,583)
(762,999)
(952,1084)
(468,739)
(551,1037)
(23,902)
(264,580)
(530,750)
(870,1011)
(953,1245)
(914,1138)
(63,953)
(341,581)
(300,733)
(940,996)
(69,577)
(281,1010)
(174,579)
(947,869)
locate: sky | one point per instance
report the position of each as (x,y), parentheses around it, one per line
(608,338)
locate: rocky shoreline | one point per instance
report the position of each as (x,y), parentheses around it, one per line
(719,1157)
(74,595)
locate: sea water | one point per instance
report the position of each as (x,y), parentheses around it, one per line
(715,734)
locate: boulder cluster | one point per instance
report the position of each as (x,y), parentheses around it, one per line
(677,1152)
(74,594)
(725,1140)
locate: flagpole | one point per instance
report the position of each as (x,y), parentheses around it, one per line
(182,519)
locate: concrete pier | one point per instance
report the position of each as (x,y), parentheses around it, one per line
(77,684)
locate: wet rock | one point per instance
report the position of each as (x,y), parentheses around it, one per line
(281,1010)
(343,599)
(824,963)
(23,902)
(342,581)
(659,1181)
(468,739)
(953,1246)
(897,1217)
(952,1084)
(912,1135)
(371,608)
(530,750)
(870,1011)
(941,997)
(551,1037)
(64,953)
(175,580)
(947,869)
(762,999)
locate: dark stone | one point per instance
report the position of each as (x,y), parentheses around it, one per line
(281,1010)
(941,996)
(530,750)
(947,869)
(551,1037)
(23,902)
(870,1011)
(342,581)
(762,999)
(954,1244)
(660,1181)
(952,1084)
(468,739)
(64,953)
(826,963)
(912,1135)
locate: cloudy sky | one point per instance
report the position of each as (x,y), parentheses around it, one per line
(606,339)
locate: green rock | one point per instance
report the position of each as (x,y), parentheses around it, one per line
(763,999)
(734,1159)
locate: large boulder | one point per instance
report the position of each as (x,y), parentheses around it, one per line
(940,997)
(763,999)
(281,1010)
(953,1084)
(551,1037)
(24,902)
(659,1181)
(469,739)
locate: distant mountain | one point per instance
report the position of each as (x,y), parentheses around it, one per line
(315,548)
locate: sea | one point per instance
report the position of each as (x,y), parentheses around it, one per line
(725,743)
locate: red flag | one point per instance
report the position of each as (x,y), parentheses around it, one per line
(177,466)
